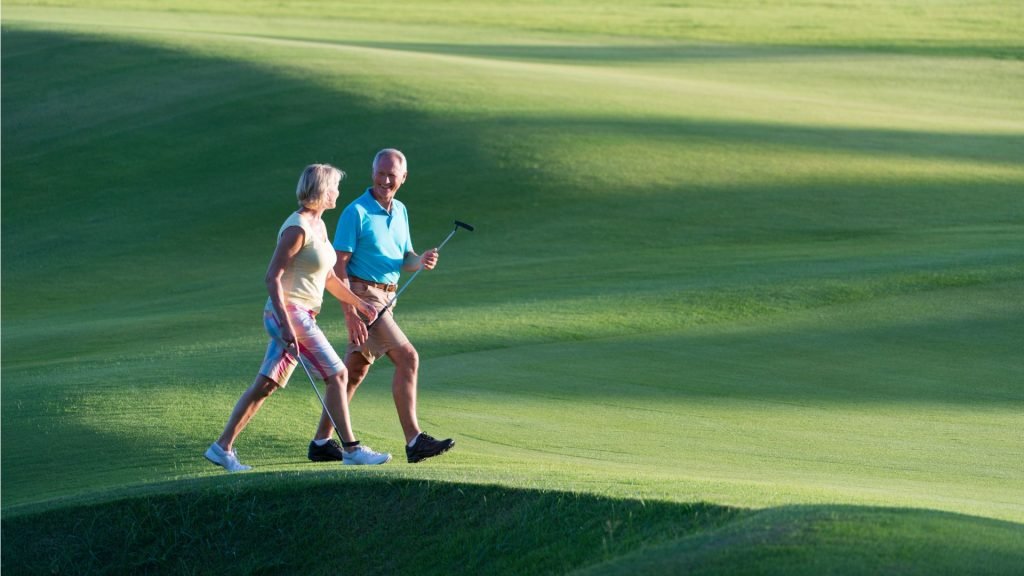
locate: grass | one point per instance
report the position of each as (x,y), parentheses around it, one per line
(987,28)
(228,525)
(526,529)
(742,298)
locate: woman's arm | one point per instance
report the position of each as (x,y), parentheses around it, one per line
(342,292)
(291,241)
(357,331)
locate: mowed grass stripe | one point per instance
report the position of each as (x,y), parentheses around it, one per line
(822,83)
(910,26)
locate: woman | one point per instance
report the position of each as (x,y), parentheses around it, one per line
(301,268)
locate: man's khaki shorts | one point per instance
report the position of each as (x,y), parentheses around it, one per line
(385,334)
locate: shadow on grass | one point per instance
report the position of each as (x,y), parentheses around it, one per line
(697,52)
(980,147)
(261,524)
(189,138)
(813,540)
(361,525)
(178,140)
(867,354)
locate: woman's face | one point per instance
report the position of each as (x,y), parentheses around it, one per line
(331,198)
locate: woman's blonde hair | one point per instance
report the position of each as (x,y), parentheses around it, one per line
(315,181)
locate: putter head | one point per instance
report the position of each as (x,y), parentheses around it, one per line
(463,225)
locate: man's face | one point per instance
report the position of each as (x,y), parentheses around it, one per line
(388,176)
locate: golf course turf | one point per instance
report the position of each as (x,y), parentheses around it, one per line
(744,293)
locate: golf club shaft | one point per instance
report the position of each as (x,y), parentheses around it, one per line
(409,281)
(416,273)
(309,375)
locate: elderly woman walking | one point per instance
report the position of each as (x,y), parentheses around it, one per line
(300,270)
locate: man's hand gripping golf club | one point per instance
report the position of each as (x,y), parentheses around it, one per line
(298,355)
(381,312)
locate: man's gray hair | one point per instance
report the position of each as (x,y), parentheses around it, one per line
(390,152)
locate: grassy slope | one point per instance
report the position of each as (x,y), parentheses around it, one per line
(836,241)
(225,527)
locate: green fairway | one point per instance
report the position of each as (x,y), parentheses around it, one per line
(746,280)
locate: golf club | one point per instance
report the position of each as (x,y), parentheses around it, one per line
(394,298)
(305,369)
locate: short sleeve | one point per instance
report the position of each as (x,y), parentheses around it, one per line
(408,233)
(346,236)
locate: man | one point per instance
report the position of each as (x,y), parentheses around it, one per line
(373,246)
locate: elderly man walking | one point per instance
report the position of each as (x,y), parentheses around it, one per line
(373,246)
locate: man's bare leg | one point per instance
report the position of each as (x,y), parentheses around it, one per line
(403,387)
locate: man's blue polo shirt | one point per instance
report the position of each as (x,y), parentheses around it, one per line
(378,240)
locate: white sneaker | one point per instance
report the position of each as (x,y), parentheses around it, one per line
(229,460)
(364,455)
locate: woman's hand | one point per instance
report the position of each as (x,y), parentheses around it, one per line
(288,336)
(357,332)
(369,311)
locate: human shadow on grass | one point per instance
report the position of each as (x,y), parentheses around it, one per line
(360,525)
